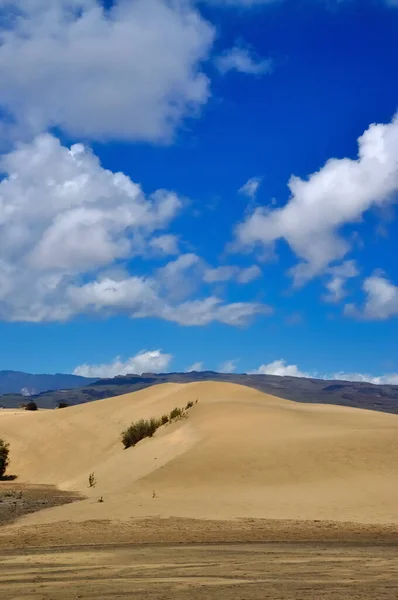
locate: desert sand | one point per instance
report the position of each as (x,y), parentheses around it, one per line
(239,454)
(249,497)
(203,572)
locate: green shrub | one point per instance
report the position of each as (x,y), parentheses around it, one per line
(4,461)
(154,424)
(146,428)
(31,405)
(176,413)
(138,431)
(62,405)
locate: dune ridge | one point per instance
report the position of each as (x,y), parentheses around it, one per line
(239,454)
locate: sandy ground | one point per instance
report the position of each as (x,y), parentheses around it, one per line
(189,572)
(250,497)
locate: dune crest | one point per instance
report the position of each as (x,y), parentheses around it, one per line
(240,453)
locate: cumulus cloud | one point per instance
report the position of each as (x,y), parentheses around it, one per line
(229,366)
(381,300)
(242,60)
(146,361)
(248,274)
(391,379)
(279,367)
(208,310)
(165,244)
(250,188)
(67,226)
(338,194)
(220,274)
(197,366)
(182,276)
(339,275)
(132,71)
(227,273)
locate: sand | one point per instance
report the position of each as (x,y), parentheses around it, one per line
(250,498)
(239,454)
(204,572)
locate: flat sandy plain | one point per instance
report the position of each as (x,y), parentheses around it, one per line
(250,497)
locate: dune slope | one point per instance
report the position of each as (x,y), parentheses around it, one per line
(240,453)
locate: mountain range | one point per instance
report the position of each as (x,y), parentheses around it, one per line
(72,389)
(26,384)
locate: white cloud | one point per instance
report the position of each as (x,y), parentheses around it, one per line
(152,361)
(250,188)
(61,216)
(208,310)
(130,72)
(181,277)
(338,278)
(165,244)
(279,367)
(198,367)
(381,300)
(248,274)
(243,61)
(391,378)
(226,273)
(67,226)
(229,366)
(220,274)
(339,193)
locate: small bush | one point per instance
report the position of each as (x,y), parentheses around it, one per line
(31,405)
(4,460)
(153,425)
(138,431)
(176,413)
(63,405)
(146,428)
(91,480)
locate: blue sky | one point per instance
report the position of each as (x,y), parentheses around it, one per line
(199,184)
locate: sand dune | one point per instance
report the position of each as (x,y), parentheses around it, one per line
(240,453)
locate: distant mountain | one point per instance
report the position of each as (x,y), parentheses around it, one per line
(344,393)
(16,382)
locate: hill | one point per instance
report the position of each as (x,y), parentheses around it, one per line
(26,384)
(240,453)
(345,393)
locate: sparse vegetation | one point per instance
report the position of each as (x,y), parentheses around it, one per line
(176,414)
(91,480)
(31,405)
(138,431)
(63,405)
(147,428)
(4,460)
